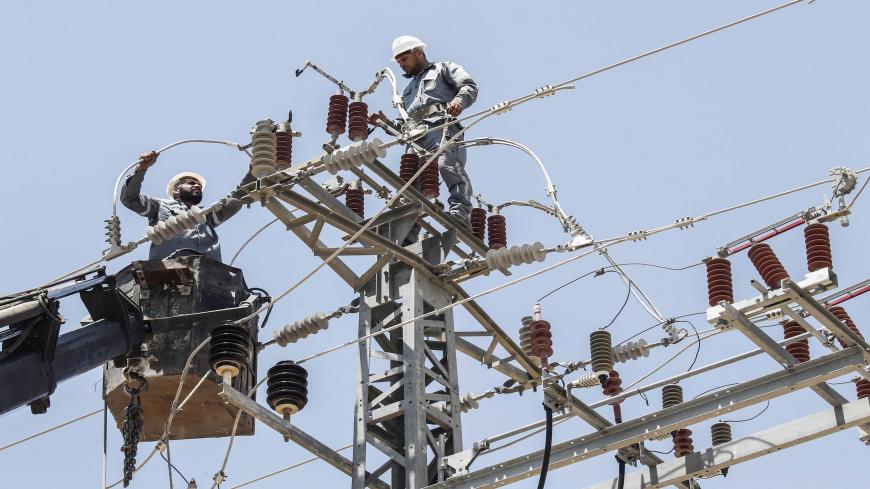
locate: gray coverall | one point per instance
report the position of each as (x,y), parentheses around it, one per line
(426,98)
(201,238)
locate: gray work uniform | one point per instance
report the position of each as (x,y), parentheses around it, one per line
(426,98)
(201,238)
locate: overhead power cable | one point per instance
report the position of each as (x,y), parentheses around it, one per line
(49,430)
(290,467)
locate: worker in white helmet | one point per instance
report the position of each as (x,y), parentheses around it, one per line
(183,191)
(434,91)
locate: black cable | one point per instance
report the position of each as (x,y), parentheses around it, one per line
(175,468)
(749,419)
(601,270)
(697,335)
(621,481)
(657,324)
(548,443)
(269,310)
(624,303)
(565,285)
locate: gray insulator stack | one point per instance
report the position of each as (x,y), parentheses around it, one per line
(264,148)
(602,354)
(586,381)
(672,395)
(504,258)
(526,339)
(630,350)
(468,402)
(293,332)
(354,155)
(175,225)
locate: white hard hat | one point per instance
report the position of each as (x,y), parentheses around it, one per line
(177,178)
(406,43)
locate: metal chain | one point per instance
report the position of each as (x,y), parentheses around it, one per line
(131,429)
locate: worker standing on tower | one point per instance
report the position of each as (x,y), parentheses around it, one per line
(436,92)
(184,190)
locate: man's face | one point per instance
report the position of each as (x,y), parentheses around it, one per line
(189,190)
(411,62)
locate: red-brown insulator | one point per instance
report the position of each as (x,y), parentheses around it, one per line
(613,384)
(719,283)
(284,149)
(478,222)
(337,115)
(818,242)
(354,198)
(541,339)
(768,265)
(863,388)
(800,350)
(409,163)
(844,318)
(358,121)
(683,444)
(430,181)
(497,231)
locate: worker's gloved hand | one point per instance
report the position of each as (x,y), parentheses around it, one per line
(454,108)
(146,160)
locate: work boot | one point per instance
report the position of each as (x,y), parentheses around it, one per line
(461,220)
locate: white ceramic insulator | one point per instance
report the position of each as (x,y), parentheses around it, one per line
(587,380)
(301,329)
(468,402)
(354,155)
(264,149)
(175,225)
(504,258)
(631,350)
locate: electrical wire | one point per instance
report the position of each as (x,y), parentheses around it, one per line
(548,444)
(656,325)
(173,467)
(622,307)
(256,233)
(698,336)
(669,360)
(635,289)
(49,430)
(610,266)
(239,413)
(749,419)
(866,180)
(290,467)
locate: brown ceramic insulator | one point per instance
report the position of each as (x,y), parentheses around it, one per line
(720,433)
(672,395)
(284,149)
(430,181)
(337,115)
(818,242)
(541,339)
(408,166)
(358,121)
(613,385)
(768,265)
(683,443)
(496,228)
(526,338)
(844,318)
(863,388)
(719,283)
(354,198)
(601,352)
(799,350)
(478,222)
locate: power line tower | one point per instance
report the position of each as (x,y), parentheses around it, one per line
(410,409)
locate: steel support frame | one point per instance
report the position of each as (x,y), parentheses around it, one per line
(652,425)
(757,445)
(414,419)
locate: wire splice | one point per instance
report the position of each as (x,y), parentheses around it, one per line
(504,258)
(768,265)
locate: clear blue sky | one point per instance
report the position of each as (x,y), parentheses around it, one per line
(769,105)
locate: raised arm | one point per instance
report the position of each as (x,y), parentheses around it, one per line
(130,192)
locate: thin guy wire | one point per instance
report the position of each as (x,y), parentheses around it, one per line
(49,430)
(285,469)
